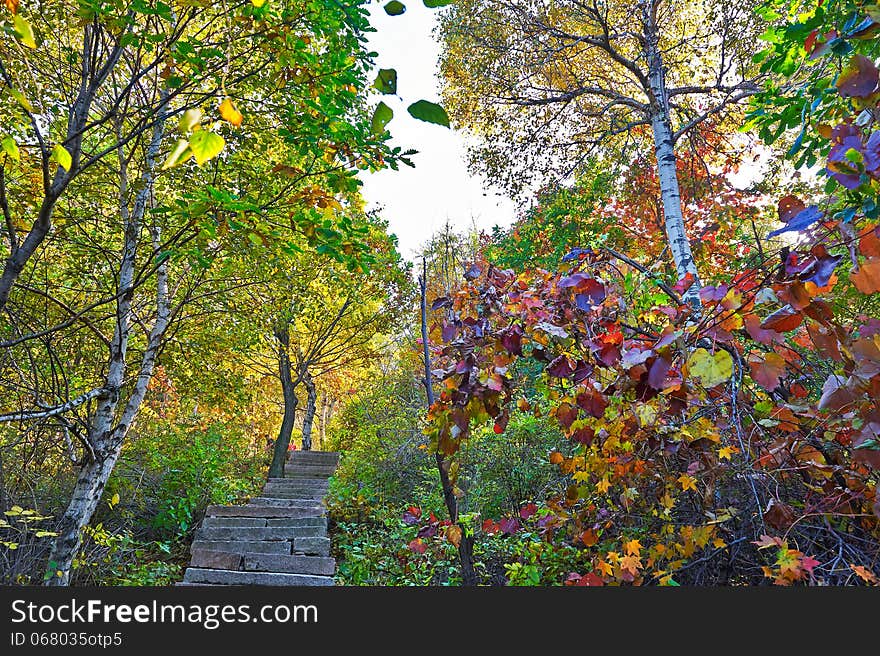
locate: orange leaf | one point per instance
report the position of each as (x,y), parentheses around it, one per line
(865,574)
(867,278)
(589,537)
(12,5)
(556,458)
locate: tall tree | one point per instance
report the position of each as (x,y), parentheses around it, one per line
(545,84)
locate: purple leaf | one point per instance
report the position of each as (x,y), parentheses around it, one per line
(822,272)
(657,373)
(801,220)
(448,331)
(440,302)
(560,367)
(473,272)
(576,253)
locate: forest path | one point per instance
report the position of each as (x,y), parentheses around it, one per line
(279,538)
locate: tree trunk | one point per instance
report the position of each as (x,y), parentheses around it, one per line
(465,546)
(667,173)
(288,390)
(104,438)
(311,407)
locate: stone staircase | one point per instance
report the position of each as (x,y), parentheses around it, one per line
(278,538)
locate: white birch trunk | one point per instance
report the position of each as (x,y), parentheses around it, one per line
(104,435)
(667,173)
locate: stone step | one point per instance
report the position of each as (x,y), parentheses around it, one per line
(311,456)
(303,471)
(262,522)
(312,546)
(217,559)
(259,534)
(226,577)
(315,496)
(242,546)
(283,508)
(298,482)
(317,565)
(295,487)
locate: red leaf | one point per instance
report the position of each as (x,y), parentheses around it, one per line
(808,563)
(490,527)
(561,367)
(566,413)
(767,370)
(784,319)
(412,515)
(528,510)
(593,402)
(789,207)
(417,546)
(685,283)
(509,525)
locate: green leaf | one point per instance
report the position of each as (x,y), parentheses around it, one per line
(24,31)
(205,145)
(179,155)
(381,116)
(60,155)
(428,112)
(22,100)
(10,148)
(394,8)
(433,4)
(386,81)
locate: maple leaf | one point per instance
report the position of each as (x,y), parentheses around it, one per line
(631,564)
(687,482)
(607,569)
(767,541)
(808,563)
(603,485)
(632,547)
(865,574)
(724,453)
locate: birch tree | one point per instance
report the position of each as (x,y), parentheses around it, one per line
(545,84)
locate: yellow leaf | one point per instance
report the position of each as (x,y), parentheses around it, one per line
(60,155)
(9,146)
(726,452)
(711,370)
(632,548)
(603,485)
(606,568)
(229,113)
(258,3)
(21,99)
(114,500)
(581,476)
(687,482)
(24,32)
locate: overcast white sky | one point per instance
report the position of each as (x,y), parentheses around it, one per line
(417,202)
